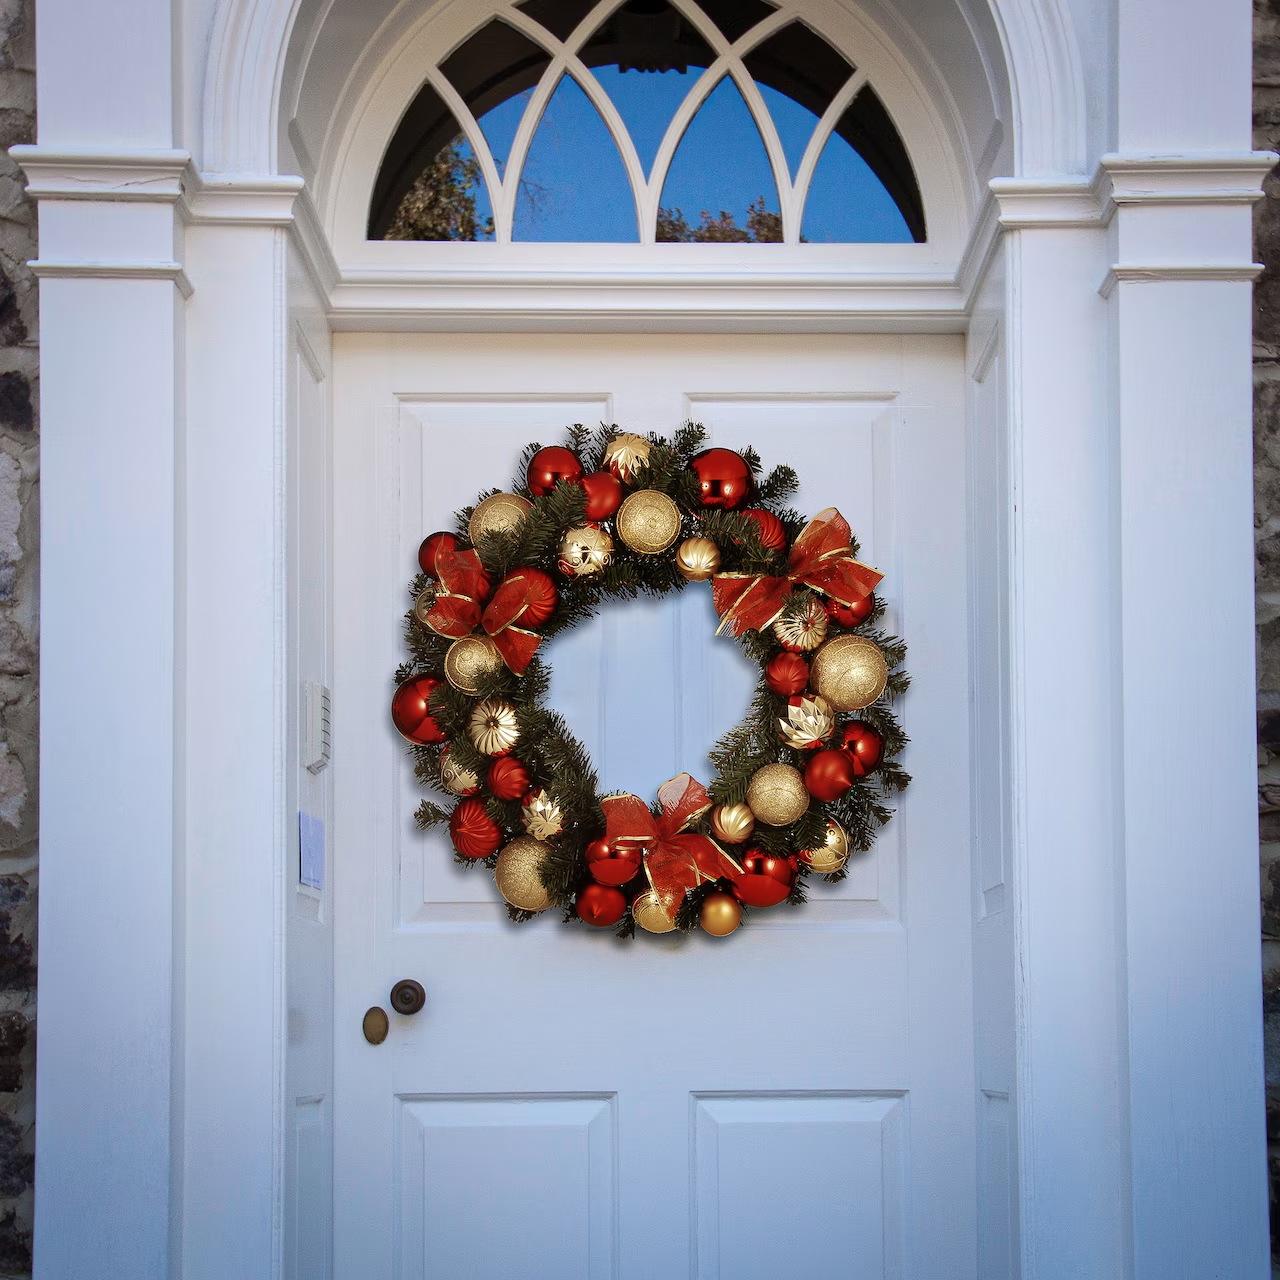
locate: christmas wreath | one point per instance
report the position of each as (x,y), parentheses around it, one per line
(800,784)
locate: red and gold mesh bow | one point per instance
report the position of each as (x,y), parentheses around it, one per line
(675,860)
(821,558)
(510,603)
(459,607)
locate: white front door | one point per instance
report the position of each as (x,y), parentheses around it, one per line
(797,1099)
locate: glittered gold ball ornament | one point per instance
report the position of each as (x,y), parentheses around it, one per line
(850,672)
(584,552)
(647,912)
(517,874)
(732,823)
(831,855)
(697,559)
(649,522)
(493,728)
(471,661)
(803,630)
(456,779)
(721,914)
(542,816)
(502,513)
(777,794)
(626,455)
(424,603)
(808,722)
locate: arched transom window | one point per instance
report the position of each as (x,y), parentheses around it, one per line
(720,121)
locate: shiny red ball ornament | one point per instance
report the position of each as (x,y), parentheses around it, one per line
(772,535)
(864,746)
(540,596)
(431,546)
(601,905)
(604,494)
(409,711)
(787,674)
(850,615)
(552,466)
(508,779)
(766,878)
(611,863)
(725,478)
(474,833)
(829,774)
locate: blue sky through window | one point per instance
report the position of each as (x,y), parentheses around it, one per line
(646,101)
(848,204)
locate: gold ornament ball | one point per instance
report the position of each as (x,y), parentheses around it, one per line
(648,522)
(647,912)
(721,914)
(733,823)
(626,455)
(585,552)
(471,661)
(517,874)
(493,727)
(802,631)
(807,723)
(424,603)
(542,816)
(777,794)
(831,855)
(697,559)
(457,779)
(502,513)
(850,672)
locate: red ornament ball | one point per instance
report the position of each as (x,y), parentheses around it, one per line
(540,596)
(409,711)
(610,863)
(766,878)
(601,905)
(508,779)
(431,547)
(787,674)
(850,615)
(474,833)
(772,534)
(725,478)
(552,466)
(829,774)
(604,494)
(864,746)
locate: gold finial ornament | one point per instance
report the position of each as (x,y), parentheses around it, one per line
(518,874)
(777,795)
(493,728)
(626,455)
(542,816)
(733,823)
(584,552)
(808,722)
(647,912)
(471,661)
(697,559)
(850,672)
(804,630)
(648,522)
(501,513)
(456,779)
(721,914)
(831,855)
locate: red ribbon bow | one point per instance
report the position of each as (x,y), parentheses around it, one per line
(674,860)
(509,604)
(458,608)
(821,558)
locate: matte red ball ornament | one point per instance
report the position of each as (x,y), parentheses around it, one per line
(766,878)
(552,466)
(787,674)
(409,711)
(604,494)
(601,905)
(850,615)
(864,746)
(540,596)
(431,546)
(474,833)
(772,534)
(611,863)
(508,779)
(725,478)
(829,774)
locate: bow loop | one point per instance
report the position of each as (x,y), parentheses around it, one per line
(463,586)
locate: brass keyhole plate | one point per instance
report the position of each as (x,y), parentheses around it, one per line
(376,1025)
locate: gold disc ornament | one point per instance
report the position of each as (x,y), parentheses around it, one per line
(493,727)
(802,631)
(850,672)
(647,912)
(502,513)
(721,914)
(831,855)
(777,795)
(732,823)
(626,455)
(648,522)
(697,559)
(517,874)
(541,816)
(584,552)
(471,661)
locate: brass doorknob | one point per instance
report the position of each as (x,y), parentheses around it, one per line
(408,997)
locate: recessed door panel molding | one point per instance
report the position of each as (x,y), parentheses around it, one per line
(520,1187)
(769,1167)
